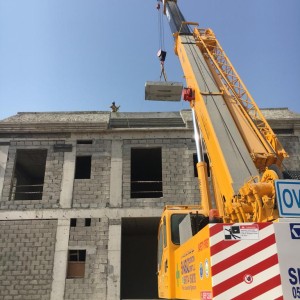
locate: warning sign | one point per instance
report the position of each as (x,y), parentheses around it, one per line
(241,232)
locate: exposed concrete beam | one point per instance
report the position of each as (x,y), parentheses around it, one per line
(60,260)
(114,266)
(116,174)
(67,182)
(111,213)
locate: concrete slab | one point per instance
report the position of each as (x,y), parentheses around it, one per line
(163,91)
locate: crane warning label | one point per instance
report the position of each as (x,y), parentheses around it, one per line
(241,232)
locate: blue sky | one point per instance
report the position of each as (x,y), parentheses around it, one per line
(79,55)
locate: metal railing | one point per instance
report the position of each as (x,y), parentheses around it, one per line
(27,192)
(146,189)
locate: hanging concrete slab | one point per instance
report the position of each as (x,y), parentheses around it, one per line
(163,91)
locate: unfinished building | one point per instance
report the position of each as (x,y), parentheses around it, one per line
(81,194)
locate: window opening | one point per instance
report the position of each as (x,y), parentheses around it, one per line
(83,167)
(146,173)
(73,222)
(29,174)
(76,263)
(84,142)
(289,131)
(195,159)
(87,222)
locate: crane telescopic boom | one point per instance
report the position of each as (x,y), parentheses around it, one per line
(236,244)
(245,154)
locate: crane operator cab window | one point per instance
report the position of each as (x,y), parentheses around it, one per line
(197,222)
(176,219)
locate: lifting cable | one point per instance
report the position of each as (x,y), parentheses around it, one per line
(160,21)
(161,40)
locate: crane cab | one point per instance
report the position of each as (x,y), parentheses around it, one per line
(226,260)
(169,241)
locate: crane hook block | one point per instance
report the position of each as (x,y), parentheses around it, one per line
(188,94)
(161,55)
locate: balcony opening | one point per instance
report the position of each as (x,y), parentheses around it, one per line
(83,167)
(146,173)
(29,173)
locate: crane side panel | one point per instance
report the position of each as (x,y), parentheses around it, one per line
(288,243)
(192,275)
(240,261)
(244,261)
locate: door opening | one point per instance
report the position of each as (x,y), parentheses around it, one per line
(138,258)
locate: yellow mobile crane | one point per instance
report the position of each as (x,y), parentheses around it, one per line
(244,242)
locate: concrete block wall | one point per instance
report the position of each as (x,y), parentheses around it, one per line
(26,259)
(106,197)
(94,239)
(52,180)
(179,184)
(292,145)
(94,192)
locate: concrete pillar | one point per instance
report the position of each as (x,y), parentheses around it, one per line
(60,260)
(116,174)
(3,160)
(67,182)
(114,265)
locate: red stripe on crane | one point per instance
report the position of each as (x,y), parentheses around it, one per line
(218,247)
(221,246)
(243,254)
(260,289)
(216,228)
(238,278)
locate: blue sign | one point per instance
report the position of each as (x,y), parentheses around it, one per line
(288,197)
(295,231)
(201,271)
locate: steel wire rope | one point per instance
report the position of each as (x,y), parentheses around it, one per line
(160,30)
